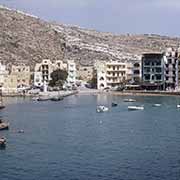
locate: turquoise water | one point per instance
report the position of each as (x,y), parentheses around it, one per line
(69,140)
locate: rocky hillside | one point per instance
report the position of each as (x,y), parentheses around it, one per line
(87,45)
(28,39)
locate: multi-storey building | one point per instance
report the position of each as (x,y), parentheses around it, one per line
(44,69)
(153,76)
(18,78)
(71,69)
(3,73)
(85,72)
(113,74)
(160,70)
(23,74)
(136,72)
(171,68)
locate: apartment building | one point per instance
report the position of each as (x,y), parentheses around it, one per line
(113,74)
(136,72)
(3,73)
(153,76)
(71,69)
(43,70)
(85,72)
(171,68)
(161,70)
(22,73)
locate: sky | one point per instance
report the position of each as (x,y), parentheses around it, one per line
(116,16)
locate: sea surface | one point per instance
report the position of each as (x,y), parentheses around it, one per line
(69,140)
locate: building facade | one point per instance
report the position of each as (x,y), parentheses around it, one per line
(23,75)
(136,72)
(171,68)
(153,76)
(85,73)
(71,69)
(161,70)
(3,73)
(113,74)
(43,70)
(17,79)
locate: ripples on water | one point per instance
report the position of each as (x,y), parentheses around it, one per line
(69,140)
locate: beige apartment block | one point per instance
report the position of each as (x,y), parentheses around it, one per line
(85,73)
(3,73)
(113,73)
(21,75)
(43,70)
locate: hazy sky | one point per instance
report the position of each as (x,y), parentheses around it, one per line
(118,16)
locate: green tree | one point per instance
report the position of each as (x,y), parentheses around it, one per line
(58,77)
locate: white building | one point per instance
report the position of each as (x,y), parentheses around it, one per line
(115,73)
(38,79)
(101,75)
(44,69)
(71,68)
(3,73)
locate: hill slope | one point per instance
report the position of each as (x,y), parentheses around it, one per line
(25,38)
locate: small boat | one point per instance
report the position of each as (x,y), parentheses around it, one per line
(57,98)
(43,98)
(102,109)
(2,142)
(178,106)
(156,105)
(129,100)
(2,107)
(35,98)
(114,104)
(4,126)
(131,108)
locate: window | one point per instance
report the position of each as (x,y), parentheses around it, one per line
(158,77)
(136,65)
(158,70)
(152,77)
(136,72)
(146,63)
(158,63)
(169,61)
(101,79)
(147,77)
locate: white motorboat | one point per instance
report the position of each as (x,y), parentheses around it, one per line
(2,142)
(4,126)
(135,108)
(102,109)
(156,105)
(129,100)
(178,106)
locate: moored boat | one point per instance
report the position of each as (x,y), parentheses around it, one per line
(129,100)
(156,105)
(57,98)
(114,104)
(102,109)
(4,126)
(2,107)
(43,98)
(2,142)
(178,106)
(135,108)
